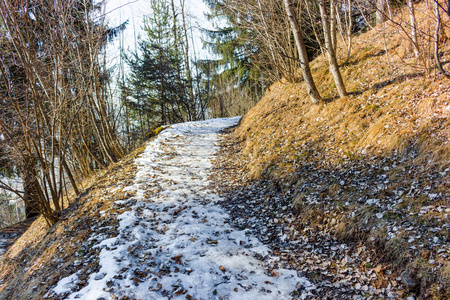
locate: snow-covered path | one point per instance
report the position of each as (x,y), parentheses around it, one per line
(176,242)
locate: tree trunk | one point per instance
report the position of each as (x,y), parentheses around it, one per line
(381,11)
(412,18)
(191,105)
(176,41)
(331,54)
(29,196)
(349,31)
(333,24)
(436,40)
(303,56)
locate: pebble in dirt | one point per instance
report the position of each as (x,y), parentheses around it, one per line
(176,241)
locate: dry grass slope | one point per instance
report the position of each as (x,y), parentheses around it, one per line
(393,130)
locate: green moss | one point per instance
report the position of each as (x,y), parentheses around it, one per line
(156,131)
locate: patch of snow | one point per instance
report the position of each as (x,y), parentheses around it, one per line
(66,284)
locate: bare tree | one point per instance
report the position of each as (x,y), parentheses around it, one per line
(437,35)
(412,18)
(57,121)
(349,26)
(329,31)
(381,11)
(304,62)
(189,80)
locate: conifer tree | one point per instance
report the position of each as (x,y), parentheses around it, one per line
(155,87)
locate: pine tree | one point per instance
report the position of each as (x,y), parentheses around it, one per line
(157,93)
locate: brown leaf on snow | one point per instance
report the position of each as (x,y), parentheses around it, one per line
(177,259)
(136,281)
(180,292)
(222,268)
(274,273)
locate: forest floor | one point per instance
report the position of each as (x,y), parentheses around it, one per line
(176,240)
(306,236)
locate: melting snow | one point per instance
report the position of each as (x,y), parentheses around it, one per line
(176,241)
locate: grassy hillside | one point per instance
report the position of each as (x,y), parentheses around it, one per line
(372,168)
(43,255)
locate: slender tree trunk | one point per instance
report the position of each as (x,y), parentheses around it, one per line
(331,54)
(381,11)
(175,37)
(436,40)
(188,67)
(71,178)
(349,31)
(304,61)
(412,18)
(333,24)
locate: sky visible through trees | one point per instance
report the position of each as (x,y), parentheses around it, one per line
(119,11)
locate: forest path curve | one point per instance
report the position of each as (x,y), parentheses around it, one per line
(176,240)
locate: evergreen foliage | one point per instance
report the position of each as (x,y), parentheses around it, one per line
(160,89)
(236,65)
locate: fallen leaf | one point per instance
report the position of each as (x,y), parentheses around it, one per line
(177,259)
(380,268)
(222,268)
(274,273)
(180,292)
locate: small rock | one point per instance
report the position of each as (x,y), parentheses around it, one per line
(100,276)
(409,280)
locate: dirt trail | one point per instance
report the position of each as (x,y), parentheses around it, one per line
(176,239)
